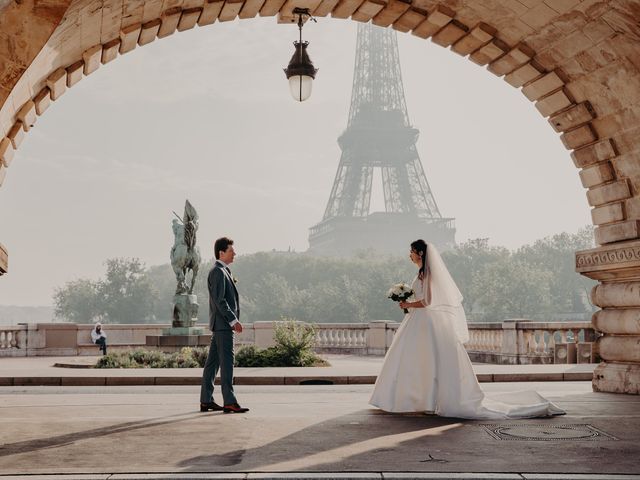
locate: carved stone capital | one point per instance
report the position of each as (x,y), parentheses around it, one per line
(611,263)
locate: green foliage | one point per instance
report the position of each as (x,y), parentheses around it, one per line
(293,348)
(535,281)
(125,295)
(140,358)
(77,301)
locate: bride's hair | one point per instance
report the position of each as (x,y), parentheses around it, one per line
(420,247)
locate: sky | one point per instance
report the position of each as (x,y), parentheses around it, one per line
(206,115)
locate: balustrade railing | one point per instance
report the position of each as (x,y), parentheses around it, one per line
(508,342)
(348,336)
(13,340)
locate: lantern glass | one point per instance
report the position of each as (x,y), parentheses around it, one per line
(300,86)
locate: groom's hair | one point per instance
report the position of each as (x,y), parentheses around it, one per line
(221,245)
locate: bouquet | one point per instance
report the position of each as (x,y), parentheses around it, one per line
(399,293)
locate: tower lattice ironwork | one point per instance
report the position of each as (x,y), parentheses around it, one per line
(378,135)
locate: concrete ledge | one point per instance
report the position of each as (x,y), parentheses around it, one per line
(99,379)
(326,476)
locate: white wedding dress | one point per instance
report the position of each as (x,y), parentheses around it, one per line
(427,368)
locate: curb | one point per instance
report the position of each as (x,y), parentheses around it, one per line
(93,381)
(327,476)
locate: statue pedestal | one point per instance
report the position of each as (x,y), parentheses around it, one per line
(183,332)
(173,343)
(185,311)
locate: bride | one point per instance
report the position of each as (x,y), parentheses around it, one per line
(427,368)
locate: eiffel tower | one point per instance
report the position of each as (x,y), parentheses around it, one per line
(379,135)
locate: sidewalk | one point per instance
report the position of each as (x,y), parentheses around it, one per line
(312,432)
(344,370)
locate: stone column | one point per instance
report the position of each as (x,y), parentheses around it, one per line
(377,338)
(264,334)
(617,267)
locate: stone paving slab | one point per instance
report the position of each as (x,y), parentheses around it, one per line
(158,432)
(344,370)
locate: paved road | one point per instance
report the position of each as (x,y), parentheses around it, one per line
(57,430)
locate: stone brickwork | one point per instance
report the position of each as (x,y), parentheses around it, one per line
(578,61)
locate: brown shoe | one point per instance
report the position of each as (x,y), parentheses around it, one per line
(234,408)
(204,407)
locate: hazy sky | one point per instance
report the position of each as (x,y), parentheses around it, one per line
(206,115)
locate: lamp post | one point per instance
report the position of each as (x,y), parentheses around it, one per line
(300,71)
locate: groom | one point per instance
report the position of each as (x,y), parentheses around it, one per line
(224,312)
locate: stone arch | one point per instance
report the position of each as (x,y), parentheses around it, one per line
(577,60)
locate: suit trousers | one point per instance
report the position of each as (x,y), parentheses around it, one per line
(221,356)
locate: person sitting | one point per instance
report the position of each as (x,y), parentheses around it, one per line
(99,337)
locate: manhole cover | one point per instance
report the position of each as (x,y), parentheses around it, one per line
(546,433)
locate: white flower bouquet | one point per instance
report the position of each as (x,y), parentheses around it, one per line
(399,293)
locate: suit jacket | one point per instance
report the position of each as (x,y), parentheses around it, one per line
(224,302)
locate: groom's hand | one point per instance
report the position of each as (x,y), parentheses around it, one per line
(238,327)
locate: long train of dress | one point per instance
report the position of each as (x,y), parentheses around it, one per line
(427,369)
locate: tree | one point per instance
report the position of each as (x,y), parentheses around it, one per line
(513,288)
(468,263)
(77,301)
(569,291)
(126,295)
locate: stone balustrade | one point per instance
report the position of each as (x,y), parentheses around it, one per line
(13,341)
(510,342)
